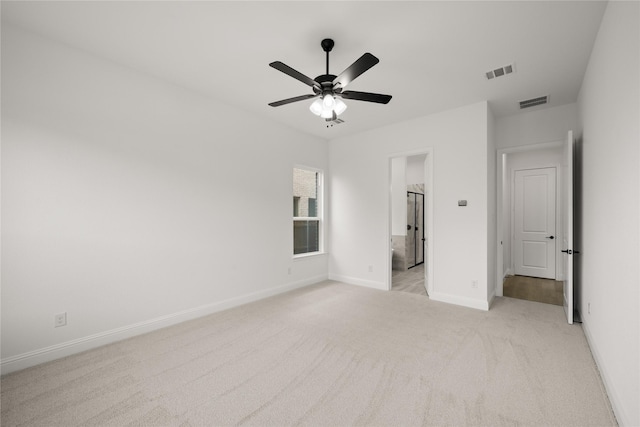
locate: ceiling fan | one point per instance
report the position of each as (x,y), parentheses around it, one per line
(329,89)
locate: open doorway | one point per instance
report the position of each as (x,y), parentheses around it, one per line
(530,226)
(410,216)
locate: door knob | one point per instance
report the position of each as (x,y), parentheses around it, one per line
(568,251)
(550,237)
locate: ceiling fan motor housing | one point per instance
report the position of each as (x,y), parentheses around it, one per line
(326,85)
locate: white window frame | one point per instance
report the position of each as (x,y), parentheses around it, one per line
(319,211)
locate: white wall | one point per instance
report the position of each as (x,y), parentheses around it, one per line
(415,169)
(399,196)
(131,204)
(360,202)
(610,255)
(536,126)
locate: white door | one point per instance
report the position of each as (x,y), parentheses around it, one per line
(535,222)
(567,240)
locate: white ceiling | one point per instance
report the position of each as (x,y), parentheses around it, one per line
(433,55)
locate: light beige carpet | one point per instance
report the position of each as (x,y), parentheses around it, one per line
(328,355)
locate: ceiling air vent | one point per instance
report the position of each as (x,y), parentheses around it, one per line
(534,101)
(499,72)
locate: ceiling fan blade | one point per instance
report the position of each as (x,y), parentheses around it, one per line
(361,65)
(294,73)
(365,96)
(290,100)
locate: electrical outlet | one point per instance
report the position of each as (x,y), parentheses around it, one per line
(289,271)
(474,284)
(588,308)
(60,319)
(371,269)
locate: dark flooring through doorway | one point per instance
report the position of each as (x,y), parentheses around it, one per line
(547,291)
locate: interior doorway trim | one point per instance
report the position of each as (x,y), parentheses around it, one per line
(501,175)
(428,212)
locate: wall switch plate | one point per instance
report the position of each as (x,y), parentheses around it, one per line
(60,319)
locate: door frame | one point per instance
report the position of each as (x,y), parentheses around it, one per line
(428,213)
(501,176)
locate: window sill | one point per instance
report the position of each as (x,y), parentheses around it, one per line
(308,255)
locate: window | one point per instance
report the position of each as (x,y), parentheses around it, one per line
(307,218)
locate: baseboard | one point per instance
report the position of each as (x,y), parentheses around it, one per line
(47,354)
(458,300)
(491,298)
(622,417)
(358,281)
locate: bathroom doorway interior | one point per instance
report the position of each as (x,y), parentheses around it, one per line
(409,219)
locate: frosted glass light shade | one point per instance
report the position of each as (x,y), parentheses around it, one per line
(316,107)
(328,102)
(340,106)
(326,106)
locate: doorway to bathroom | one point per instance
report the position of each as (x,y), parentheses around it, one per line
(410,219)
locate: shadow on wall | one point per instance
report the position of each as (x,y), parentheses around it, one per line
(577,225)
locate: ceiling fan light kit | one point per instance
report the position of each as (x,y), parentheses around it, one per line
(327,105)
(329,89)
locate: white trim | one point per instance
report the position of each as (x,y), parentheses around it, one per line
(308,255)
(47,354)
(359,282)
(530,147)
(491,298)
(320,209)
(463,301)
